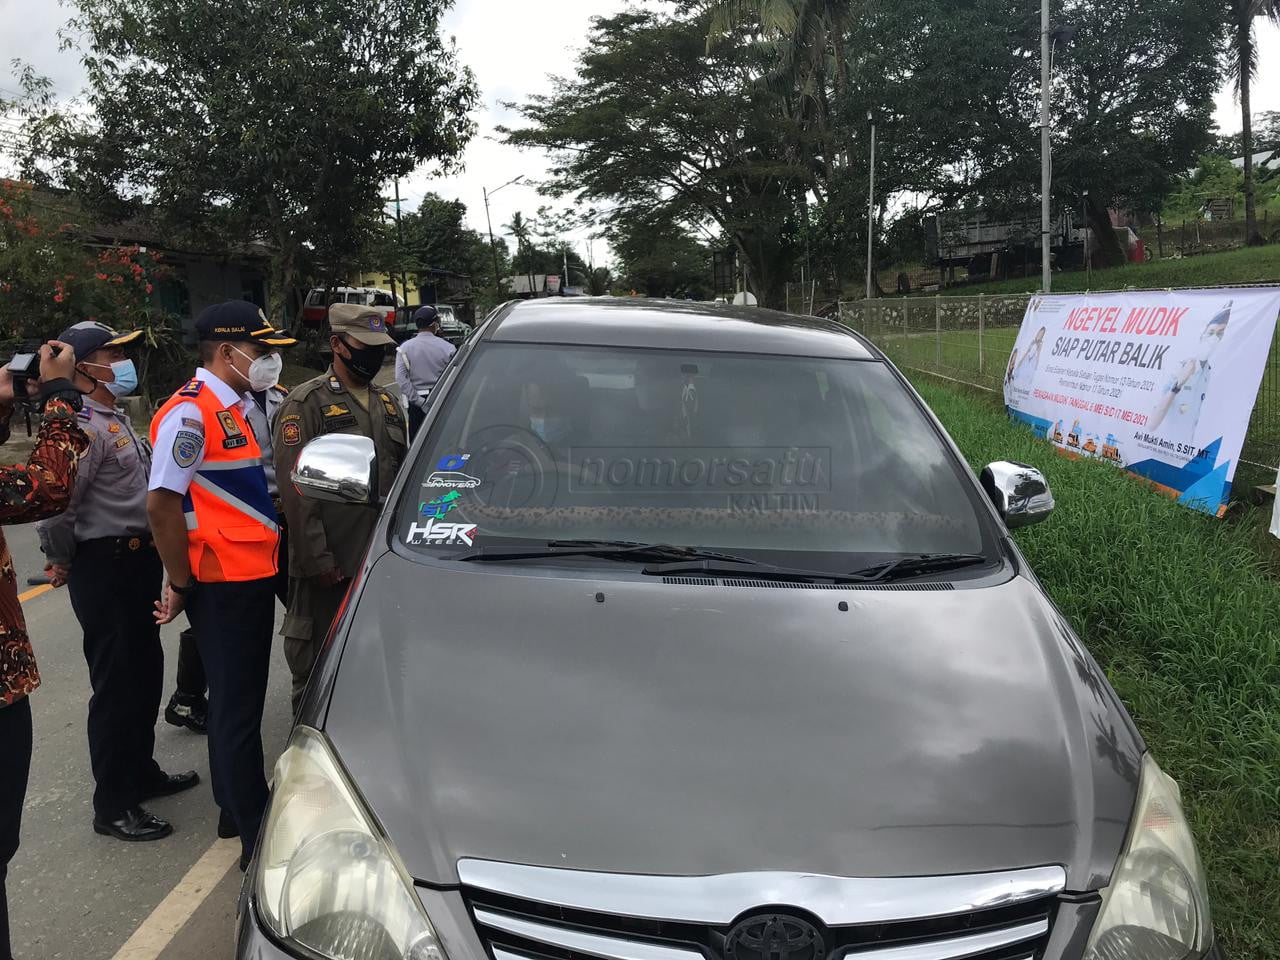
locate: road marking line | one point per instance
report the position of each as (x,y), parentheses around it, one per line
(169,916)
(26,595)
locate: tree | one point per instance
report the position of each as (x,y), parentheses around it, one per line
(262,121)
(652,122)
(1244,67)
(1266,136)
(660,258)
(436,237)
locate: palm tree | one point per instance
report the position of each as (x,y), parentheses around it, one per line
(1245,68)
(521,229)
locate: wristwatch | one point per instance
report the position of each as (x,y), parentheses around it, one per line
(183,591)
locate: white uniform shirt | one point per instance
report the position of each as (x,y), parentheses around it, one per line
(419,363)
(181,434)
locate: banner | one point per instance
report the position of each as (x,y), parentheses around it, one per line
(1161,383)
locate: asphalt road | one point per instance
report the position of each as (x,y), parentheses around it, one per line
(74,894)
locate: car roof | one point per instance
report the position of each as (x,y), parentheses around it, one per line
(675,325)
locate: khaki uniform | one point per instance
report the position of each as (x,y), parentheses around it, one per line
(325,536)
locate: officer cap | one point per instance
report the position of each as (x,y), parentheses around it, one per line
(90,335)
(239,321)
(363,323)
(425,316)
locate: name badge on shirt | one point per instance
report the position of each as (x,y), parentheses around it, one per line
(234,436)
(123,441)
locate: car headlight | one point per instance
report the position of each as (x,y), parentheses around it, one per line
(326,878)
(1157,907)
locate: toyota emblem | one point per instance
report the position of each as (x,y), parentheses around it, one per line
(774,936)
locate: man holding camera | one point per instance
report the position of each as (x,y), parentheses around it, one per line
(215,526)
(101,548)
(32,491)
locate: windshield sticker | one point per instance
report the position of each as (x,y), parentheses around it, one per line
(453,461)
(455,479)
(435,532)
(441,505)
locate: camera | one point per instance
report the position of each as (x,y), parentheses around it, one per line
(24,366)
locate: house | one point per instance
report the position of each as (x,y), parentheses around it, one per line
(198,278)
(527,286)
(404,285)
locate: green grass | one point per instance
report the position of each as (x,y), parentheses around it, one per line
(1181,611)
(1252,265)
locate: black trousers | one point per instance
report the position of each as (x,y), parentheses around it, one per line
(417,417)
(113,592)
(233,625)
(15,767)
(191,681)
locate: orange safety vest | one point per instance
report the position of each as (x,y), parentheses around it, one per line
(232,533)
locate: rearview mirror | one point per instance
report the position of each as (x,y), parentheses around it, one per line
(1020,492)
(339,468)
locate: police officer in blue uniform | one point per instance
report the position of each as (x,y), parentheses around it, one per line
(101,548)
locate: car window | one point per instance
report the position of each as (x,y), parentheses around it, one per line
(799,456)
(383,300)
(315,298)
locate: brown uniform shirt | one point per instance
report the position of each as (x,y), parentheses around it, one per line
(324,536)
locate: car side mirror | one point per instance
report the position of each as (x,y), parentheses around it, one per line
(338,468)
(1020,492)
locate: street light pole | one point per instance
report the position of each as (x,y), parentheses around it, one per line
(1045,279)
(1084,218)
(871,202)
(493,246)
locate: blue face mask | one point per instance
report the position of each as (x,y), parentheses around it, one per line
(126,377)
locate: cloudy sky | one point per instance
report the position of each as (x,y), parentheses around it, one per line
(513,46)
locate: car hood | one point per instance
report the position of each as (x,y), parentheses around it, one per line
(672,729)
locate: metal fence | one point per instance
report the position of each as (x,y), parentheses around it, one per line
(969,340)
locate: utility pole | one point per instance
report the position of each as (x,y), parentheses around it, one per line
(493,246)
(1045,279)
(871,200)
(404,276)
(1088,261)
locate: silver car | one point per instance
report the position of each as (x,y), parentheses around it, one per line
(687,634)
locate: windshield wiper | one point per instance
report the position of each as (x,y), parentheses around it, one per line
(625,550)
(757,571)
(915,565)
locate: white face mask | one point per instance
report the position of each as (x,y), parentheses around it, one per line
(264,372)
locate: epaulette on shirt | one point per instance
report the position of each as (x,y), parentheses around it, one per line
(192,388)
(85,414)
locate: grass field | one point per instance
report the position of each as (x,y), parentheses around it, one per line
(1182,613)
(1252,265)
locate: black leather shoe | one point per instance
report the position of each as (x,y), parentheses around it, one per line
(135,825)
(190,713)
(226,826)
(170,784)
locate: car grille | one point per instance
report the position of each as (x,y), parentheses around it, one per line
(531,928)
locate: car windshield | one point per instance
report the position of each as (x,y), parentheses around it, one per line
(788,459)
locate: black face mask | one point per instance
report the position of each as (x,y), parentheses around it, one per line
(365,362)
